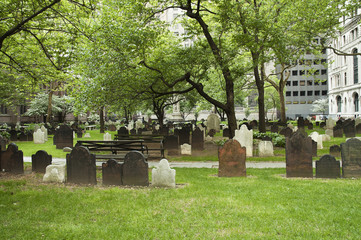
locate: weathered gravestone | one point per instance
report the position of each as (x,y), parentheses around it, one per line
(226,132)
(232,159)
(23,136)
(171,144)
(287,132)
(328,167)
(338,131)
(123,131)
(245,138)
(317,138)
(45,131)
(310,126)
(349,129)
(13,135)
(358,128)
(184,135)
(2,144)
(39,137)
(274,128)
(186,149)
(213,122)
(107,137)
(81,168)
(314,148)
(300,122)
(55,173)
(135,170)
(112,173)
(40,160)
(164,130)
(211,132)
(335,150)
(299,155)
(329,132)
(133,131)
(265,149)
(322,124)
(351,158)
(163,175)
(12,160)
(197,140)
(254,124)
(63,137)
(330,123)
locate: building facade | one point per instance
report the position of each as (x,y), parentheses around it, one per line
(344,74)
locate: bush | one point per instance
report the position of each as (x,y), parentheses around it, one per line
(277,139)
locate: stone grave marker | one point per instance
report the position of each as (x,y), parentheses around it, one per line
(198,140)
(211,132)
(314,148)
(55,173)
(322,125)
(329,132)
(358,128)
(349,129)
(81,168)
(112,173)
(45,131)
(39,137)
(135,170)
(357,121)
(226,132)
(317,124)
(328,167)
(232,159)
(287,132)
(40,160)
(12,160)
(123,131)
(351,158)
(310,126)
(163,175)
(107,137)
(299,156)
(335,150)
(63,137)
(213,122)
(36,127)
(265,149)
(133,131)
(164,130)
(87,135)
(338,131)
(254,124)
(317,138)
(300,122)
(245,138)
(23,136)
(184,135)
(171,144)
(330,123)
(274,128)
(2,144)
(13,135)
(186,149)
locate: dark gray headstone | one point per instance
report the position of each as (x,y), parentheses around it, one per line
(358,128)
(274,128)
(328,167)
(22,136)
(349,129)
(310,126)
(335,150)
(63,137)
(112,173)
(211,132)
(135,170)
(338,131)
(184,135)
(2,144)
(80,166)
(254,124)
(322,124)
(197,140)
(40,160)
(12,160)
(314,148)
(226,132)
(171,144)
(299,156)
(287,132)
(123,131)
(351,158)
(13,135)
(133,131)
(164,130)
(232,159)
(300,122)
(317,124)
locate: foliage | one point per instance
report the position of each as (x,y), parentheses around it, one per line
(320,105)
(5,134)
(278,140)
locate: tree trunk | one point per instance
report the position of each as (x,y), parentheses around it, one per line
(49,112)
(282,106)
(101,115)
(232,122)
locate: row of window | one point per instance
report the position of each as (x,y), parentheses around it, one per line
(297,102)
(309,72)
(303,93)
(308,82)
(4,109)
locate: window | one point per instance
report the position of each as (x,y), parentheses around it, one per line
(23,109)
(294,72)
(310,102)
(288,93)
(302,72)
(302,83)
(323,61)
(317,93)
(3,109)
(324,92)
(303,102)
(324,82)
(303,93)
(288,83)
(295,93)
(309,93)
(356,102)
(345,79)
(288,102)
(317,72)
(301,62)
(295,102)
(295,83)
(323,71)
(308,62)
(317,82)
(309,83)
(355,67)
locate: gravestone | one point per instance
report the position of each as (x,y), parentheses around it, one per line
(198,140)
(330,123)
(314,148)
(184,135)
(112,127)
(213,122)
(135,170)
(226,132)
(317,124)
(123,131)
(322,125)
(300,122)
(45,131)
(81,168)
(357,121)
(112,173)
(107,137)
(274,128)
(2,144)
(325,138)
(39,137)
(171,144)
(328,167)
(12,160)
(317,138)
(63,137)
(79,133)
(13,135)
(40,160)
(55,173)
(310,126)
(186,149)
(351,158)
(338,131)
(36,127)
(254,124)
(299,156)
(335,150)
(358,128)
(23,136)
(265,149)
(287,132)
(245,138)
(133,131)
(211,132)
(306,122)
(329,132)
(163,175)
(164,130)
(232,159)
(349,129)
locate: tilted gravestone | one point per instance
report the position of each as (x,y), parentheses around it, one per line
(338,131)
(328,167)
(40,160)
(322,125)
(12,160)
(299,156)
(349,129)
(81,168)
(351,158)
(232,159)
(63,137)
(112,173)
(226,132)
(197,140)
(287,132)
(135,170)
(335,150)
(213,122)
(171,144)
(55,173)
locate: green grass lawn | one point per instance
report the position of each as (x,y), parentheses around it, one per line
(265,205)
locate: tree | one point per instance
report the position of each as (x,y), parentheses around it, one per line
(320,105)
